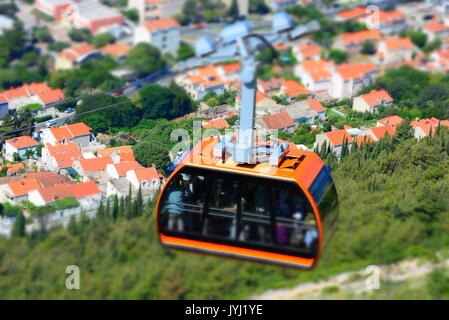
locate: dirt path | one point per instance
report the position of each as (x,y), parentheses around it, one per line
(355,280)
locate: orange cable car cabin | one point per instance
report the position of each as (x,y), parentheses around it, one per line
(281,215)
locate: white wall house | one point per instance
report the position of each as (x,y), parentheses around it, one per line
(348,79)
(370,102)
(165,34)
(20,145)
(145,178)
(77,133)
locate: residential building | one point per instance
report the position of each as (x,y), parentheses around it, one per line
(436,30)
(352,42)
(316,106)
(119,51)
(280,5)
(16,190)
(33,93)
(425,127)
(23,146)
(350,78)
(352,14)
(371,101)
(229,71)
(334,140)
(392,121)
(73,57)
(118,154)
(60,157)
(53,8)
(396,50)
(201,81)
(294,89)
(90,14)
(86,193)
(156,9)
(164,34)
(308,51)
(77,133)
(301,113)
(270,87)
(117,170)
(316,74)
(215,123)
(145,178)
(13,168)
(378,133)
(387,22)
(91,168)
(278,121)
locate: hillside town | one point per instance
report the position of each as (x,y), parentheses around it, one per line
(322,91)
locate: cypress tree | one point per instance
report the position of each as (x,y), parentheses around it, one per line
(139,201)
(107,212)
(18,229)
(72,227)
(100,210)
(115,208)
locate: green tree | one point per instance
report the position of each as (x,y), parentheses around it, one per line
(80,35)
(149,153)
(162,102)
(258,6)
(119,111)
(102,39)
(185,51)
(368,47)
(233,9)
(131,14)
(438,284)
(338,56)
(145,59)
(18,229)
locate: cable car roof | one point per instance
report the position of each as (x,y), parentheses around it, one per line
(294,164)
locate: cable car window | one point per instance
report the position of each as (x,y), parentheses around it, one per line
(295,223)
(239,210)
(255,220)
(222,209)
(184,202)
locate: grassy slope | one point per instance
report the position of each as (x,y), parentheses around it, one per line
(393,206)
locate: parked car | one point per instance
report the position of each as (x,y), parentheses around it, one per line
(117,92)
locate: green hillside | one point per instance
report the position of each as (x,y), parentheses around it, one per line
(394,205)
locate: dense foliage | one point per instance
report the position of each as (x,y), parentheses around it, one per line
(394,205)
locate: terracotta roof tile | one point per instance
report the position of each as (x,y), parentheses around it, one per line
(293,89)
(147,174)
(81,190)
(376,97)
(314,104)
(309,50)
(436,27)
(95,164)
(355,70)
(337,137)
(358,37)
(22,142)
(216,123)
(396,43)
(116,49)
(161,24)
(278,121)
